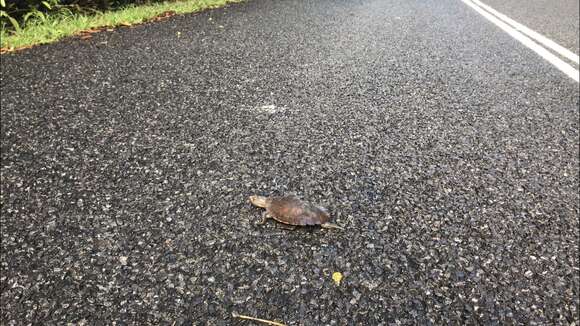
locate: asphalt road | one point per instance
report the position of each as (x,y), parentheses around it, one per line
(558,20)
(448,151)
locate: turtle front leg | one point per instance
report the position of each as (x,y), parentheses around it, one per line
(264,219)
(331,226)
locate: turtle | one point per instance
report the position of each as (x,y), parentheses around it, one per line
(292,211)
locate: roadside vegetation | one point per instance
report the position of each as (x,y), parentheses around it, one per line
(26,23)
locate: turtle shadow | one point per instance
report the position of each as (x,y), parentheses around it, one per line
(275,225)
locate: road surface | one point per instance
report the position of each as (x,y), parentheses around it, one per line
(447,149)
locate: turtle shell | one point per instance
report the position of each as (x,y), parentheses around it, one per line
(291,210)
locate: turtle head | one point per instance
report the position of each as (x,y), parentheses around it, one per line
(259,201)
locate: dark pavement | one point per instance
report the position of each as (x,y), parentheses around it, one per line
(448,151)
(558,20)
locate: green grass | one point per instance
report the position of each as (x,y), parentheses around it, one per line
(57,26)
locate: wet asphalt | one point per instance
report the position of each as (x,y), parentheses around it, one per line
(447,150)
(558,20)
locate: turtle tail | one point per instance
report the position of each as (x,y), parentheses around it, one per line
(331,226)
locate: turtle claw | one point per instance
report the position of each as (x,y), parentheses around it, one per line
(264,219)
(331,226)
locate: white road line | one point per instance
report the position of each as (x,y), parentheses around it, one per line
(530,33)
(547,55)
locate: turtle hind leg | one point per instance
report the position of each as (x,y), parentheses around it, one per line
(331,226)
(265,218)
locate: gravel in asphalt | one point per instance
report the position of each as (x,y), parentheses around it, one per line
(448,151)
(557,20)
